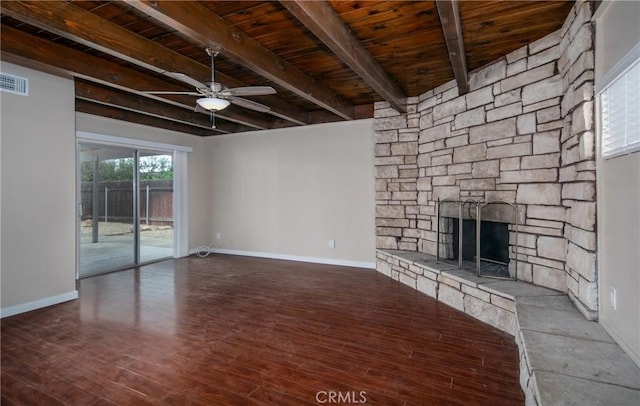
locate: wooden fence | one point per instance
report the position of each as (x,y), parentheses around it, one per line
(156,201)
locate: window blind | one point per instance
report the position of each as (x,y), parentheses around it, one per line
(620,114)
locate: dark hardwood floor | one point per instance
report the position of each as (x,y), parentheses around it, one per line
(227,330)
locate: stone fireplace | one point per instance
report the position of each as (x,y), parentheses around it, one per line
(523,134)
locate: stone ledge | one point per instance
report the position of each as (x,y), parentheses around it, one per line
(565,359)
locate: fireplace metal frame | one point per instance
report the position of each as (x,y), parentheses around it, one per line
(479,206)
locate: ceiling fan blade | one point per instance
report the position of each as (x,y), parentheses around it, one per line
(169,92)
(201,109)
(248,91)
(248,104)
(187,79)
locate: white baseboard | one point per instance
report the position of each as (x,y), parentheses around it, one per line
(625,347)
(315,260)
(38,304)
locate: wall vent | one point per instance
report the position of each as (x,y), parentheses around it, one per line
(14,84)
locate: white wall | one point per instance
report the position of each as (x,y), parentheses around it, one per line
(286,193)
(278,192)
(617,31)
(38,193)
(199,218)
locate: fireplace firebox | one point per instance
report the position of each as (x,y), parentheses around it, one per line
(475,236)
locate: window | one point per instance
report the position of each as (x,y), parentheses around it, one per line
(620,113)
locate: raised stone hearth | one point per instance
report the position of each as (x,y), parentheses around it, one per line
(460,289)
(523,134)
(565,359)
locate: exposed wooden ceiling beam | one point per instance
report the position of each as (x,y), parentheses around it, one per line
(131,102)
(88,107)
(95,32)
(326,24)
(452,29)
(196,22)
(30,50)
(361,112)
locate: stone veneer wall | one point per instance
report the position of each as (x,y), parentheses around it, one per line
(524,133)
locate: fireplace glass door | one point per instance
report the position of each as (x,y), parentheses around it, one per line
(478,236)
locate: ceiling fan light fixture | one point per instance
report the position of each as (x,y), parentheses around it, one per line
(213,103)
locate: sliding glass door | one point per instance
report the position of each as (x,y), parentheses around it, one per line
(155,173)
(124,206)
(106,207)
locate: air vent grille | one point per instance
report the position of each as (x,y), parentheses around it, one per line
(14,84)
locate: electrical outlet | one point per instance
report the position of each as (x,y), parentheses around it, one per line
(613,297)
(332,243)
(218,235)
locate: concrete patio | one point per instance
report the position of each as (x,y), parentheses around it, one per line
(114,249)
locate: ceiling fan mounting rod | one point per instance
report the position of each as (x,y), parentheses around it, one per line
(212,53)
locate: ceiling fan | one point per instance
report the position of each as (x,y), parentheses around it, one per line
(214,96)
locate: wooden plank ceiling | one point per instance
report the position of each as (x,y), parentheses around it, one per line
(327,60)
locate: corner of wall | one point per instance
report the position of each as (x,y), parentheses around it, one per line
(578,169)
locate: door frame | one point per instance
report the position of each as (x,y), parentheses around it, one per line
(180,187)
